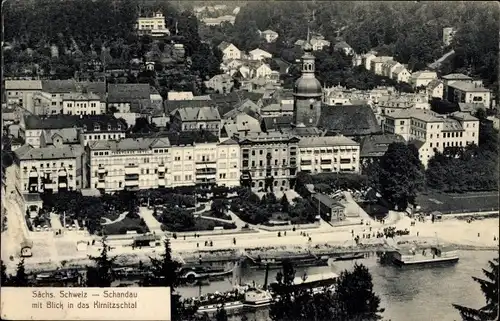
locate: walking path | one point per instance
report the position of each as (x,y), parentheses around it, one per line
(118,219)
(151,222)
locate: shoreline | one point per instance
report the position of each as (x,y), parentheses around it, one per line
(229,254)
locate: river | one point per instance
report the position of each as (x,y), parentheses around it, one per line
(407,294)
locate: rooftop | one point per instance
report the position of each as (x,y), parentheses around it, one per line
(131,144)
(377,145)
(326,141)
(71,85)
(420,114)
(71,121)
(352,120)
(27,152)
(118,93)
(467,86)
(23,84)
(172,105)
(197,113)
(456,77)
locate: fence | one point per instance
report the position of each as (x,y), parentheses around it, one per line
(282,228)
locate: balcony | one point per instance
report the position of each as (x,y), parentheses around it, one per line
(101,185)
(33,174)
(306,162)
(205,181)
(131,177)
(133,170)
(131,183)
(206,171)
(63,185)
(101,170)
(206,161)
(50,185)
(62,172)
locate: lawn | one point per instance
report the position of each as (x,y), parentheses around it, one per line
(127,224)
(200,224)
(216,215)
(465,202)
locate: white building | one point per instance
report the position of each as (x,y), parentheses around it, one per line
(180,95)
(435,89)
(129,164)
(328,154)
(448,34)
(432,130)
(229,51)
(377,62)
(259,54)
(20,92)
(422,78)
(154,25)
(269,35)
(51,168)
(401,74)
(83,104)
(466,92)
(228,163)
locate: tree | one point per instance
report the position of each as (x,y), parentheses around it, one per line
(490,290)
(4,278)
(221,314)
(354,296)
(101,275)
(401,174)
(165,274)
(21,278)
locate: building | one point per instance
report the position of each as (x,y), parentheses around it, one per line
(448,34)
(39,132)
(367,59)
(344,47)
(329,209)
(435,89)
(229,51)
(422,78)
(53,168)
(259,54)
(401,74)
(351,121)
(268,160)
(432,130)
(240,125)
(389,67)
(180,95)
(377,62)
(222,83)
(135,98)
(129,164)
(316,43)
(466,92)
(373,147)
(328,154)
(269,35)
(219,20)
(20,92)
(83,104)
(196,118)
(277,109)
(307,92)
(154,26)
(228,163)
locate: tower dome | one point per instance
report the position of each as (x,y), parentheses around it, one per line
(305,86)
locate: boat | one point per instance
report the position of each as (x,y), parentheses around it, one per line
(228,306)
(257,298)
(425,255)
(312,282)
(348,257)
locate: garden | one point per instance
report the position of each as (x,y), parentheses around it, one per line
(176,219)
(271,211)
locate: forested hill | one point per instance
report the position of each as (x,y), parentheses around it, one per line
(409,31)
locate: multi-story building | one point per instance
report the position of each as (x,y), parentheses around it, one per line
(434,131)
(228,163)
(377,62)
(49,101)
(422,78)
(83,104)
(435,89)
(466,92)
(35,130)
(229,51)
(196,118)
(129,164)
(126,98)
(328,154)
(53,168)
(177,159)
(268,160)
(154,26)
(20,92)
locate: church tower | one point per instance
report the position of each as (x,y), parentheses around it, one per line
(307,92)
